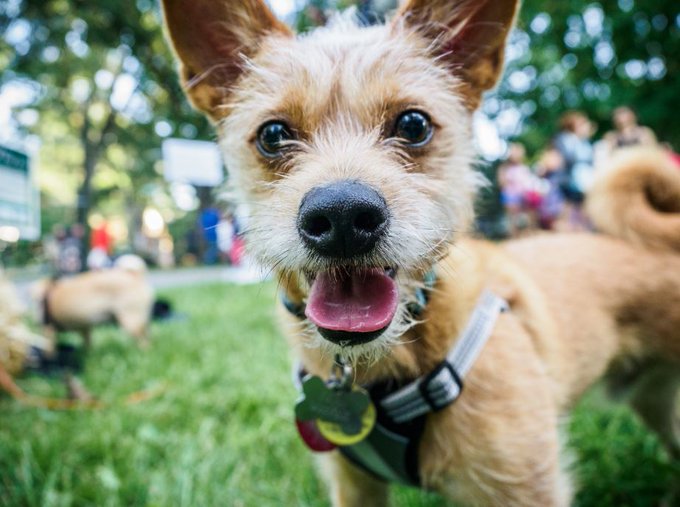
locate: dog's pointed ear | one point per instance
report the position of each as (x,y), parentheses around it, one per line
(211,39)
(469,35)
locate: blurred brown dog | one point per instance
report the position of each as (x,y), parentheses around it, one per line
(121,294)
(352,146)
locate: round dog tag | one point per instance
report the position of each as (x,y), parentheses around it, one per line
(342,434)
(343,415)
(312,437)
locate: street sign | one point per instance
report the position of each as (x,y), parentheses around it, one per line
(195,162)
(19,196)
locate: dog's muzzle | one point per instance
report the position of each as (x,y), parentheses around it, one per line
(342,220)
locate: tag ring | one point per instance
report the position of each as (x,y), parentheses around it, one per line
(341,372)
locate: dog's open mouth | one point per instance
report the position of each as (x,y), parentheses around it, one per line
(351,306)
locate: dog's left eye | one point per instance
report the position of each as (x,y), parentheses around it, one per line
(414,127)
(271,137)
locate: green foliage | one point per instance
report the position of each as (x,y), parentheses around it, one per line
(593,56)
(105,92)
(222,432)
(20,253)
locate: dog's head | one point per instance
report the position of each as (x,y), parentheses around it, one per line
(351,144)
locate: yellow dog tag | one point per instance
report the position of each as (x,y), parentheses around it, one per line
(339,434)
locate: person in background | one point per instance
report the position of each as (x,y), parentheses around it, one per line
(225,237)
(573,144)
(100,237)
(100,246)
(515,180)
(627,131)
(69,261)
(52,246)
(208,220)
(550,168)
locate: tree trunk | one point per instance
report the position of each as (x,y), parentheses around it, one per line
(92,151)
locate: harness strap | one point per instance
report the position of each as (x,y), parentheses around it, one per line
(444,384)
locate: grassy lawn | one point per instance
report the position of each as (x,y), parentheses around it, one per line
(221,434)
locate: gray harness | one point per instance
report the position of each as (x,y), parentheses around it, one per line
(390,452)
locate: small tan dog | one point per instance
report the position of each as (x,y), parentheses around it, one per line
(121,294)
(352,146)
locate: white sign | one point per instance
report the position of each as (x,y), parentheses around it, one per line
(19,196)
(196,162)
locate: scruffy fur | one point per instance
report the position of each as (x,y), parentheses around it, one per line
(16,339)
(581,305)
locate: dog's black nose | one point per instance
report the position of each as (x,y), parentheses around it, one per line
(342,219)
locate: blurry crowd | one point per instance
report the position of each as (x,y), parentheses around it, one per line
(64,249)
(216,239)
(549,195)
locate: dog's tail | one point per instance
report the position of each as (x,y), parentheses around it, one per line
(637,198)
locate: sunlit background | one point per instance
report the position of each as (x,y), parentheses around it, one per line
(90,91)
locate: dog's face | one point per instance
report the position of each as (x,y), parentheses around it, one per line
(352,145)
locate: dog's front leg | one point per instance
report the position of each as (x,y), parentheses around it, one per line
(498,445)
(350,486)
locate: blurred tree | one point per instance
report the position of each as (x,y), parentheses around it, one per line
(316,12)
(104,84)
(584,55)
(591,56)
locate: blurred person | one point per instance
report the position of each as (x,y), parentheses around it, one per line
(100,237)
(515,181)
(627,131)
(225,236)
(52,245)
(208,220)
(70,253)
(573,143)
(98,258)
(100,247)
(237,251)
(550,168)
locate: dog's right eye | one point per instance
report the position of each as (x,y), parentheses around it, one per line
(414,128)
(271,138)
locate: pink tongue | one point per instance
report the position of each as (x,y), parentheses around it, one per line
(360,301)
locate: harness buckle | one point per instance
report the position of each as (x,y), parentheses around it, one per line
(441,386)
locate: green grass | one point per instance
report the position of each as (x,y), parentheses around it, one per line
(221,433)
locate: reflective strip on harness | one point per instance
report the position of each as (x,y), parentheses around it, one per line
(442,386)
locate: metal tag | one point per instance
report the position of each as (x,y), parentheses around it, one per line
(346,408)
